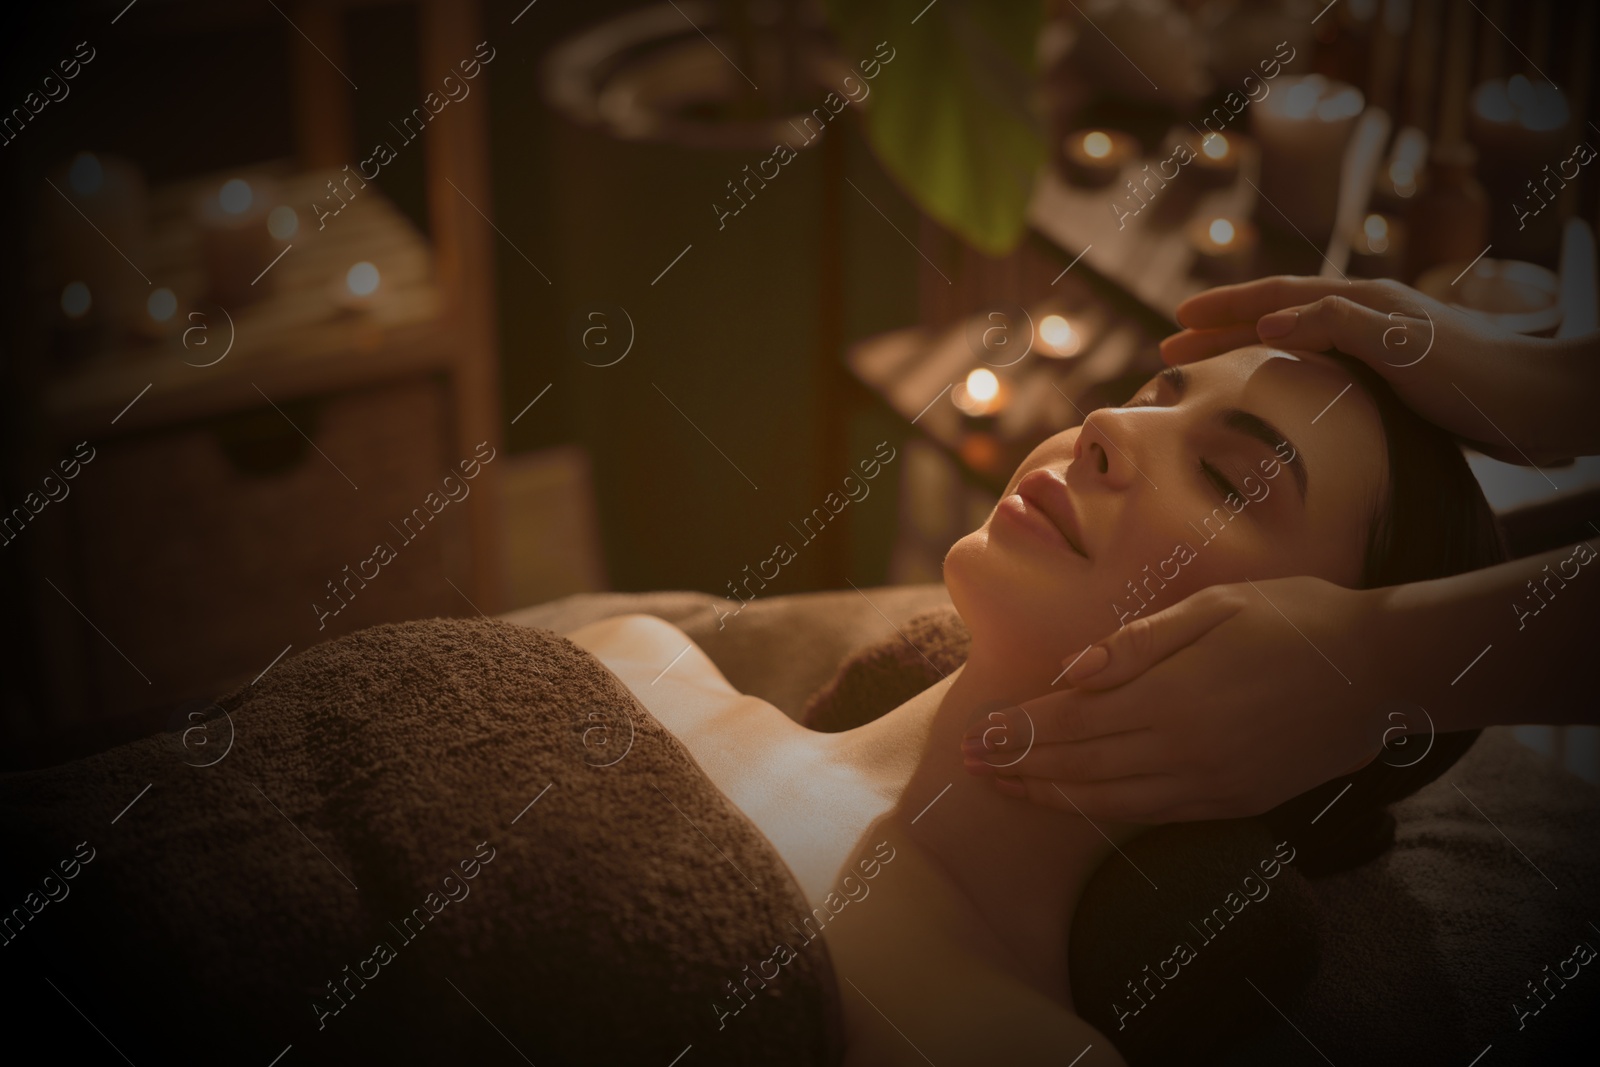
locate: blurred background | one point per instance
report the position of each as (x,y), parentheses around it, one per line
(323,314)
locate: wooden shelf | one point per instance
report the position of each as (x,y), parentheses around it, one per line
(296,340)
(914,371)
(1146,254)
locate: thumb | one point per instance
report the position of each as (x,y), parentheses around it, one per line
(1143,643)
(1337,322)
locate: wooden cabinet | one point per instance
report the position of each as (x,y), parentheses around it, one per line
(202,549)
(239,488)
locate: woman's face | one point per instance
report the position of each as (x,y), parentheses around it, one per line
(1254,464)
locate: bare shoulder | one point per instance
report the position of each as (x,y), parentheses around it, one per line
(648,640)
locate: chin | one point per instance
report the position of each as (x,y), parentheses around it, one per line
(1018,616)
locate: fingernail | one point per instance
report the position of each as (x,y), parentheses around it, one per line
(973,747)
(1277,324)
(1090,663)
(975,765)
(1011,787)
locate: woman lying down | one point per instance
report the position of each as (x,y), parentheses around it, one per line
(961,957)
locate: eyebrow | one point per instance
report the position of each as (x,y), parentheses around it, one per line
(1250,425)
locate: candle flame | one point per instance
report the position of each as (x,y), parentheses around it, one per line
(1097,145)
(1058,333)
(982,385)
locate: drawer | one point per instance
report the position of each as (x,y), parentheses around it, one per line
(203,550)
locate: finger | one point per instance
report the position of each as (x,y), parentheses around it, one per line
(1063,716)
(1120,755)
(1247,301)
(1144,642)
(1338,322)
(1191,345)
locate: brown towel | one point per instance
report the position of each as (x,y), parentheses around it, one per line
(881,676)
(512,889)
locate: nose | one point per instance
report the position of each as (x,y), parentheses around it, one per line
(1102,449)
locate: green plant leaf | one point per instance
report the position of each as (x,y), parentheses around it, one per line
(953,116)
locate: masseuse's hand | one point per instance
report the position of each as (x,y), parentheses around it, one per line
(1222,706)
(1504,394)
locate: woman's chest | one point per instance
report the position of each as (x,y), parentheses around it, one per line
(814,809)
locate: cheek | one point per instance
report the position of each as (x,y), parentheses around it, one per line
(1019,608)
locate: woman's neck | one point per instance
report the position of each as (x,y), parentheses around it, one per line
(1021,865)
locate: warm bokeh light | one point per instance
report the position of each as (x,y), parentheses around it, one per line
(282,222)
(1377,230)
(1536,105)
(1096,145)
(235,196)
(75,300)
(1344,104)
(1403,175)
(362,279)
(982,385)
(1301,98)
(1221,231)
(162,305)
(1215,146)
(1056,332)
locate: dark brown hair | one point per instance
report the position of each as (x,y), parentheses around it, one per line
(1432,521)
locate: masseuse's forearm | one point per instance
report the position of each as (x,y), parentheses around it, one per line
(1565,379)
(1505,645)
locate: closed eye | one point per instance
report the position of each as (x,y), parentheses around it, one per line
(1150,396)
(1219,480)
(1151,393)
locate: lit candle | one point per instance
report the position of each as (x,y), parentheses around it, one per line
(1304,127)
(980,398)
(234,243)
(980,394)
(1096,157)
(1216,158)
(1225,248)
(1058,337)
(1378,248)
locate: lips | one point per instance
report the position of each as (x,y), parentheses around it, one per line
(1046,490)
